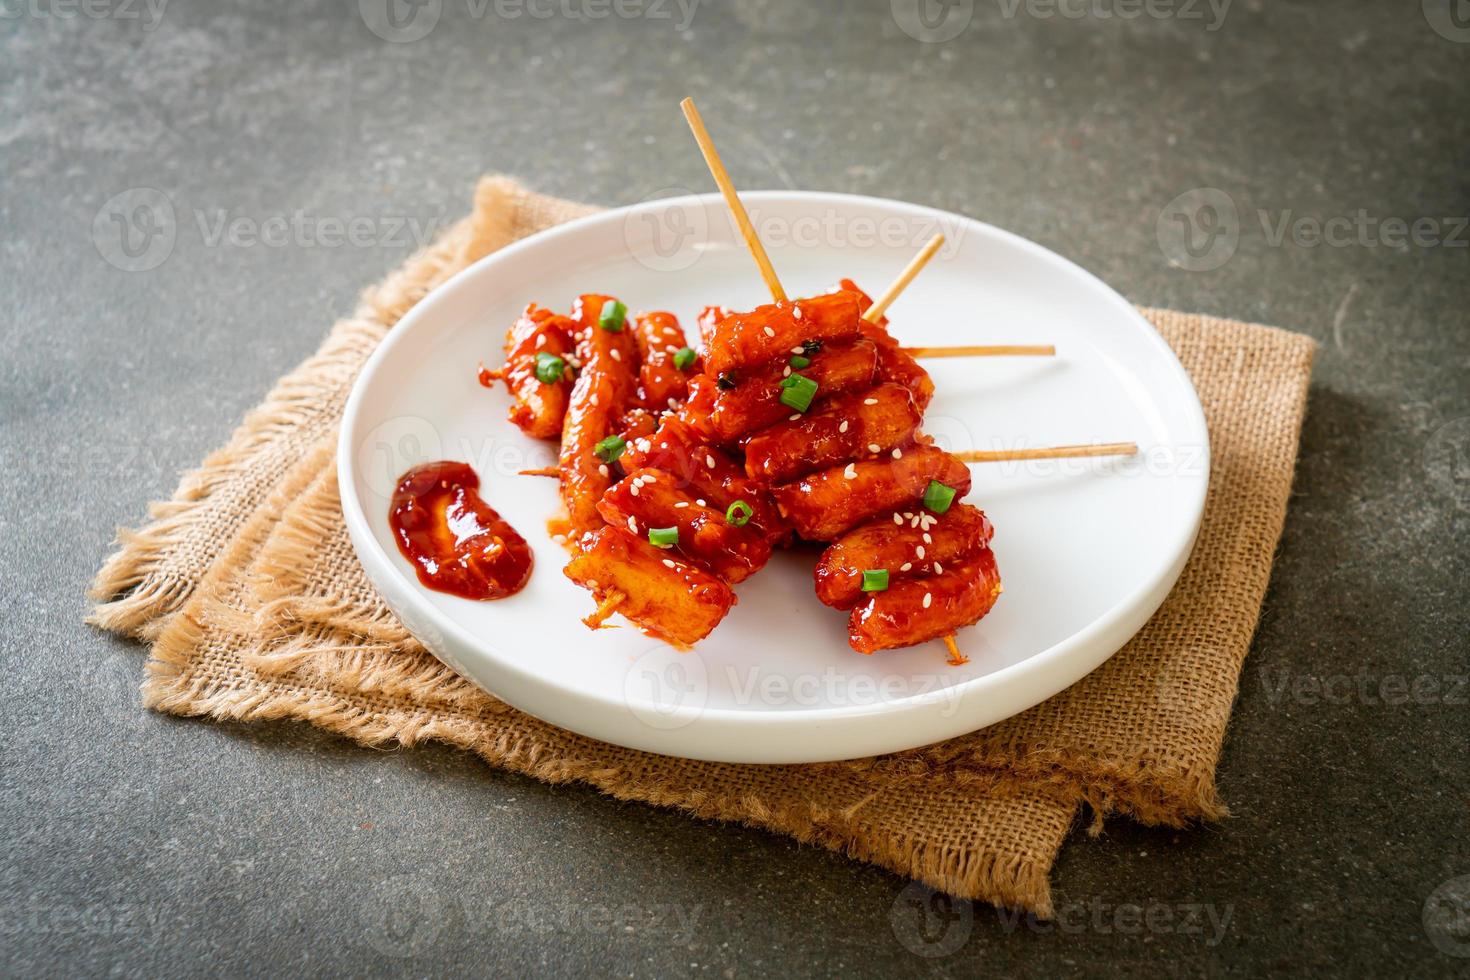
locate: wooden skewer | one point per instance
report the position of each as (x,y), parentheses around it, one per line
(992,350)
(732,200)
(876,311)
(915,266)
(1052,452)
(542,471)
(956,659)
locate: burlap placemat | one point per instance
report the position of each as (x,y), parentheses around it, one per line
(247,588)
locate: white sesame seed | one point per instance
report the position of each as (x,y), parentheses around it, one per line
(797,350)
(793,416)
(843,426)
(915,521)
(632,525)
(919,551)
(850,472)
(671,349)
(592,583)
(928,599)
(602,468)
(668,563)
(673,403)
(796,312)
(617,355)
(682,503)
(709,460)
(898,519)
(905,566)
(541,340)
(873,447)
(593,399)
(700,501)
(770,332)
(938,569)
(634,491)
(870,401)
(787,372)
(898,454)
(927,539)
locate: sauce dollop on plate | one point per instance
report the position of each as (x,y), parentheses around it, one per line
(456,541)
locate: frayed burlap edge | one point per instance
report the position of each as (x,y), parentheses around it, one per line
(141,584)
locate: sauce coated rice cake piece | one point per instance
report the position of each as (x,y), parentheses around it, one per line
(666,597)
(917,610)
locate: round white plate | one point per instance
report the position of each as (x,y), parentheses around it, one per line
(1087,549)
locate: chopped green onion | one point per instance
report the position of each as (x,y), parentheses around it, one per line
(549,368)
(938,497)
(797,391)
(875,580)
(684,358)
(613,315)
(663,537)
(609,449)
(798,362)
(739,513)
(810,347)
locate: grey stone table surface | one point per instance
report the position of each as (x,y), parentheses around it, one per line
(1334,138)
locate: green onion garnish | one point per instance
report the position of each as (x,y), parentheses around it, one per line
(938,497)
(663,537)
(739,513)
(875,580)
(613,315)
(798,362)
(549,368)
(609,449)
(797,392)
(684,358)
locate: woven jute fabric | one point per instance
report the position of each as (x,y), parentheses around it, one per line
(246,587)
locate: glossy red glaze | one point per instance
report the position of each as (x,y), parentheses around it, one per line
(456,542)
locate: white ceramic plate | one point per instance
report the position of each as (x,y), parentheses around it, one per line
(1087,549)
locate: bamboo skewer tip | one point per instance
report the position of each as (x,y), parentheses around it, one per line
(732,199)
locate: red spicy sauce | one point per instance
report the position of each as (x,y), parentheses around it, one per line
(456,542)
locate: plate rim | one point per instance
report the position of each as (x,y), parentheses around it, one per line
(1130,609)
